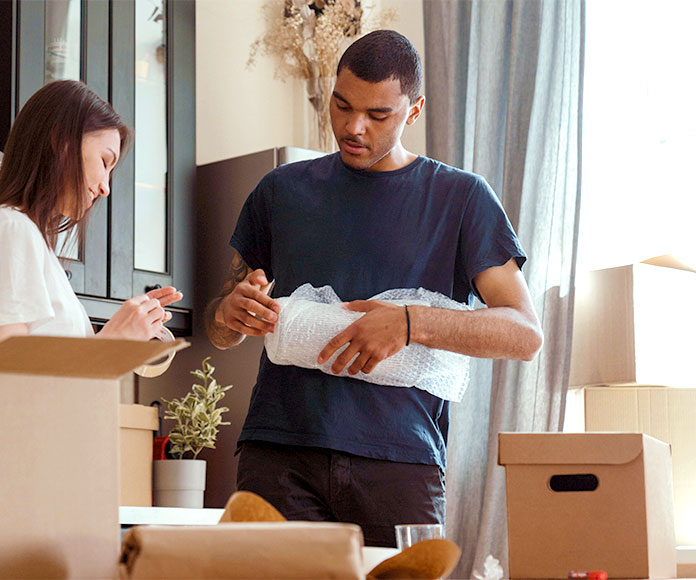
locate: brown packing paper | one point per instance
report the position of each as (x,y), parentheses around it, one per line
(251,550)
(245,506)
(426,560)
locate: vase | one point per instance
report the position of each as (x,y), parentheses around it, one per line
(178,482)
(319,91)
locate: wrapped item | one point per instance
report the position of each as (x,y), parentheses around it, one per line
(310,317)
(249,551)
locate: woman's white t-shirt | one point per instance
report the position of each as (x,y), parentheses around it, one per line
(34,289)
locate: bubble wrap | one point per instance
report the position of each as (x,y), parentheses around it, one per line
(310,317)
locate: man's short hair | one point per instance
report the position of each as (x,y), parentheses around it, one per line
(382,55)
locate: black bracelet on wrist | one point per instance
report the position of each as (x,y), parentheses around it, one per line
(408,326)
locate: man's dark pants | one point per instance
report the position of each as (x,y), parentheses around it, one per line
(315,484)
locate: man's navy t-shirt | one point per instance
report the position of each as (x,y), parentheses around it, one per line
(425,225)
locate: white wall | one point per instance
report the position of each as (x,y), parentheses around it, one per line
(241,110)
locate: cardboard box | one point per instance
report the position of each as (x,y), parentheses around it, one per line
(59,488)
(622,335)
(661,412)
(588,501)
(686,561)
(137,426)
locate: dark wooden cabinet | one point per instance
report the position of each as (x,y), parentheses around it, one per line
(107,270)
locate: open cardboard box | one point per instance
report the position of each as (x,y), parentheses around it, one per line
(622,335)
(59,489)
(588,501)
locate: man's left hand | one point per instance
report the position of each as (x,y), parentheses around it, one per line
(379,334)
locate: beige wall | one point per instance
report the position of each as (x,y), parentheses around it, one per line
(241,110)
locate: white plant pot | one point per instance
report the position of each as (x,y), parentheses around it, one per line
(178,482)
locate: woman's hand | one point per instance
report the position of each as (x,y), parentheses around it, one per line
(141,317)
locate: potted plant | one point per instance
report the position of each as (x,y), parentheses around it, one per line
(181,482)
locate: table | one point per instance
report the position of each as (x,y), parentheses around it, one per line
(137,515)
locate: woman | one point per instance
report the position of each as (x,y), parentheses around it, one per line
(59,156)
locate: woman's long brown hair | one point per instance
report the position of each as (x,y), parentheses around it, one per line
(41,169)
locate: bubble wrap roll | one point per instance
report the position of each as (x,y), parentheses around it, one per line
(310,317)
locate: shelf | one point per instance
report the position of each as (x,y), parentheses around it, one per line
(136,515)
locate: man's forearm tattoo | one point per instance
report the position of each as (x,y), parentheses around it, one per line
(220,335)
(236,273)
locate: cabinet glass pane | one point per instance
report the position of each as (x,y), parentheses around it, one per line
(63,35)
(63,19)
(69,247)
(150,243)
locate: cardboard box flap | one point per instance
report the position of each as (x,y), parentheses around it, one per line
(80,357)
(568,448)
(138,417)
(669,261)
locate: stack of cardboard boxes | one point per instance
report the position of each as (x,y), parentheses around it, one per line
(632,369)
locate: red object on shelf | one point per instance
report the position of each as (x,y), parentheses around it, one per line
(591,575)
(159,448)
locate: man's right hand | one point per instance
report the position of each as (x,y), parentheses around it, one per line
(242,308)
(248,309)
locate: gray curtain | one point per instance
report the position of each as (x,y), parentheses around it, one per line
(504,92)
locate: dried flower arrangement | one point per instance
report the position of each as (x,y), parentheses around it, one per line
(309,37)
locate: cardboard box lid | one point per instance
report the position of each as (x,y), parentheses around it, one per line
(569,448)
(80,357)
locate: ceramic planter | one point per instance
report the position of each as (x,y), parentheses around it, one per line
(178,482)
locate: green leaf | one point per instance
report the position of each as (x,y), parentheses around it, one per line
(197,414)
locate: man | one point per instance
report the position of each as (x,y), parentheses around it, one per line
(366,219)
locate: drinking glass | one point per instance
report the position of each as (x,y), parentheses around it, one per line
(409,534)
